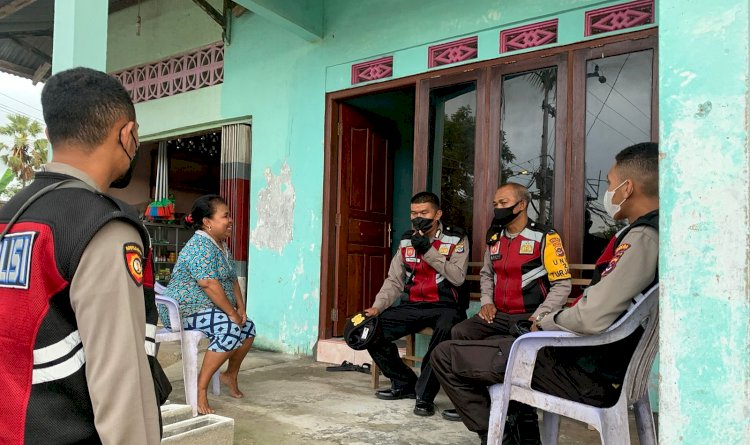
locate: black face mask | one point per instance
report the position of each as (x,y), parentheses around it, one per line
(124,180)
(504,216)
(422,224)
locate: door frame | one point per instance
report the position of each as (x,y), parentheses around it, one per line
(486,73)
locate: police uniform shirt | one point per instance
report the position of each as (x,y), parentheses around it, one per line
(559,287)
(111,317)
(632,268)
(453,269)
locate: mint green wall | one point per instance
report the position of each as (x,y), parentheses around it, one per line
(168,27)
(281,80)
(705,195)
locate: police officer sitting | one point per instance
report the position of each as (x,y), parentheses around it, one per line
(525,276)
(425,273)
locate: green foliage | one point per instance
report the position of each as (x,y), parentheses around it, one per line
(28,152)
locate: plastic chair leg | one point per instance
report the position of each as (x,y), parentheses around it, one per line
(550,428)
(190,370)
(614,425)
(498,415)
(644,421)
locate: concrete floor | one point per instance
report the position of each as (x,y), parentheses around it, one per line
(292,400)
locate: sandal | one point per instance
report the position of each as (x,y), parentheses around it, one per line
(345,366)
(365,368)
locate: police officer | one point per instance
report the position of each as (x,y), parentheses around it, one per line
(72,301)
(590,375)
(525,275)
(427,270)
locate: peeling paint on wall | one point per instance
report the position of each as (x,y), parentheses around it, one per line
(275,211)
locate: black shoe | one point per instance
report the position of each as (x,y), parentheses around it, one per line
(451,414)
(396,394)
(482,438)
(523,427)
(424,409)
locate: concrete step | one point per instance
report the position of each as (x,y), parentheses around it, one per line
(181,428)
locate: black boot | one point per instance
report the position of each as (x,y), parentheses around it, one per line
(527,426)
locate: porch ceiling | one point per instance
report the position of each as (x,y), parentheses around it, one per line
(301,17)
(26,28)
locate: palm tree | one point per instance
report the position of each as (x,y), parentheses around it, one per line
(29,151)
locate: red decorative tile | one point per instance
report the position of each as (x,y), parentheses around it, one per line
(178,74)
(528,36)
(618,17)
(452,52)
(372,70)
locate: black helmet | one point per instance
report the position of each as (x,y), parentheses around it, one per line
(361,331)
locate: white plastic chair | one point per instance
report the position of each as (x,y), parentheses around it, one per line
(189,340)
(612,423)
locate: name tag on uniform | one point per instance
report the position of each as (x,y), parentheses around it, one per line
(15,259)
(445,249)
(527,247)
(495,252)
(410,255)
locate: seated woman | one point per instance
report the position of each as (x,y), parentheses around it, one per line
(204,284)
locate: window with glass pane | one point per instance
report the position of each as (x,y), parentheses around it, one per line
(451,167)
(527,137)
(618,114)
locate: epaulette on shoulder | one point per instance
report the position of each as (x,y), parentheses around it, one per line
(454,231)
(533,225)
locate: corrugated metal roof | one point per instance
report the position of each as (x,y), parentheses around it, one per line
(26,37)
(26,34)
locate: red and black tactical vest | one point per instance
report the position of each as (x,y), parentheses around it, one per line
(423,283)
(525,266)
(43,363)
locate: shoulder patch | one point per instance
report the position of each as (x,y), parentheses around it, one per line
(619,252)
(133,255)
(460,247)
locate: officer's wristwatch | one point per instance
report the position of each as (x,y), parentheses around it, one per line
(539,319)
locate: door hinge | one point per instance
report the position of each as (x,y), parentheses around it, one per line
(334,314)
(340,128)
(338,219)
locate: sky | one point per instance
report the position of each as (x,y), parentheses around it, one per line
(18,96)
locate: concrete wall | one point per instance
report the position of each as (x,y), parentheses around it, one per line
(281,81)
(168,27)
(705,304)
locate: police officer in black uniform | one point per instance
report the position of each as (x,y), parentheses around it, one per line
(425,273)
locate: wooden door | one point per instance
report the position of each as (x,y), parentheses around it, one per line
(364,213)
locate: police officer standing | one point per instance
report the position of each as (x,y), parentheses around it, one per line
(72,306)
(425,273)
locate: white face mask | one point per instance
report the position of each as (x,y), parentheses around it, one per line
(609,207)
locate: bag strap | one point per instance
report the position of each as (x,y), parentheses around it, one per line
(66,184)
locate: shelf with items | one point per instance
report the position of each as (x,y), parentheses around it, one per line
(166,241)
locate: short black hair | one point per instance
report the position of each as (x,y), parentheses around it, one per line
(423,197)
(81,105)
(640,162)
(203,207)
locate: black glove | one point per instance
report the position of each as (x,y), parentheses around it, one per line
(420,243)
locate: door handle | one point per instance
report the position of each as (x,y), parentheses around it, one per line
(390,234)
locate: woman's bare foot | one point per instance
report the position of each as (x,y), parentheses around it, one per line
(231,382)
(203,407)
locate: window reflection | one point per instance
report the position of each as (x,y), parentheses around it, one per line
(618,114)
(527,137)
(452,135)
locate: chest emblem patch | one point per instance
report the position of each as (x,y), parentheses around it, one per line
(527,247)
